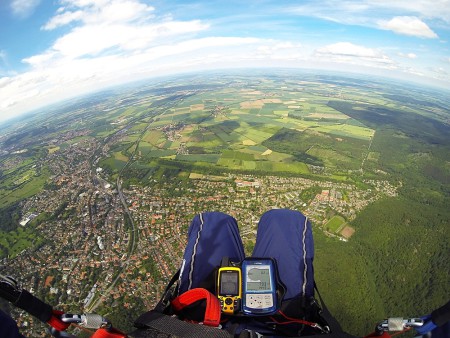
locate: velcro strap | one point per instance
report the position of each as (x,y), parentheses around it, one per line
(212,312)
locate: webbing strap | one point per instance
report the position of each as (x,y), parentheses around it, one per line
(212,312)
(172,326)
(56,322)
(335,327)
(167,295)
(34,306)
(108,333)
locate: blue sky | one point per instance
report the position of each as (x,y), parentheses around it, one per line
(51,50)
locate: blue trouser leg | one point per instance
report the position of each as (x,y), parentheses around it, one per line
(286,235)
(211,236)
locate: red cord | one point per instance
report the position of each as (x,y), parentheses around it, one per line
(292,320)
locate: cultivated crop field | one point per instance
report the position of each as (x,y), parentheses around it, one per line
(241,128)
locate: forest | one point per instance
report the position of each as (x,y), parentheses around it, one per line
(397,261)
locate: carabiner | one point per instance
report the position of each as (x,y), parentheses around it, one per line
(87,320)
(325,329)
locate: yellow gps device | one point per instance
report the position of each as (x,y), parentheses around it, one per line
(229,289)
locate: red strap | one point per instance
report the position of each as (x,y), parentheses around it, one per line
(212,312)
(108,333)
(378,335)
(56,322)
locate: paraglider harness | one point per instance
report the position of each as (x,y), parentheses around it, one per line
(199,306)
(284,246)
(156,324)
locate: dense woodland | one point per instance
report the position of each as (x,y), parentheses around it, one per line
(396,264)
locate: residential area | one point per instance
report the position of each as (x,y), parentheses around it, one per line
(92,255)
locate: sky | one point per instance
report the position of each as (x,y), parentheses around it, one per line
(51,50)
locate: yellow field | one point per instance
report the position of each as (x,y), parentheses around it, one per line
(197,107)
(257,104)
(328,116)
(284,113)
(271,101)
(53,150)
(121,157)
(196,176)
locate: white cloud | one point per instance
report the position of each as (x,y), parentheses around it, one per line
(348,49)
(111,27)
(440,72)
(63,19)
(407,55)
(370,12)
(105,12)
(408,25)
(56,76)
(279,50)
(346,52)
(436,9)
(24,8)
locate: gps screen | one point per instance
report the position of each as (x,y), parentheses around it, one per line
(229,283)
(258,278)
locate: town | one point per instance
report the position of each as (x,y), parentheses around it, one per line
(105,246)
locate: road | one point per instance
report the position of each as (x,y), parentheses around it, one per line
(134,231)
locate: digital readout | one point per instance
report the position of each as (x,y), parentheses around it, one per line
(258,278)
(229,283)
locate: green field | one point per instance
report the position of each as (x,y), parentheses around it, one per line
(21,184)
(14,242)
(335,224)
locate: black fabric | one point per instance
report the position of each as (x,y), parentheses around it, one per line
(161,325)
(442,331)
(300,308)
(149,333)
(334,325)
(442,315)
(164,302)
(193,312)
(34,306)
(248,334)
(8,327)
(8,291)
(175,327)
